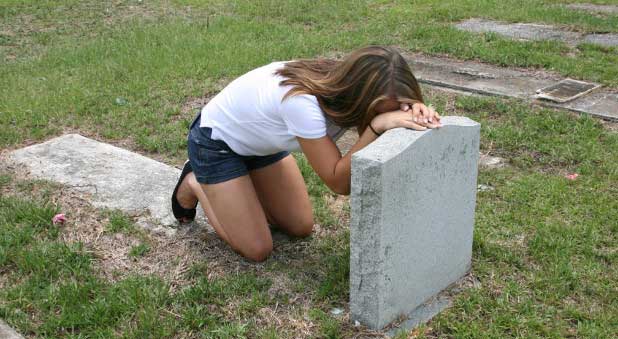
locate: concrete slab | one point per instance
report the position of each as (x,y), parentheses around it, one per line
(525,31)
(6,332)
(607,9)
(444,72)
(114,177)
(412,217)
(521,31)
(602,39)
(478,78)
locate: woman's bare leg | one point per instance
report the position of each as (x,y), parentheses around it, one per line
(190,192)
(283,194)
(234,211)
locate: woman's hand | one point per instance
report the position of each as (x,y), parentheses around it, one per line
(418,117)
(426,115)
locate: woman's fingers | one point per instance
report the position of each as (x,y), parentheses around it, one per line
(412,125)
(435,114)
(429,114)
(404,107)
(416,113)
(435,124)
(436,118)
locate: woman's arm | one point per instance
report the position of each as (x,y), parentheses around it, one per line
(326,160)
(334,169)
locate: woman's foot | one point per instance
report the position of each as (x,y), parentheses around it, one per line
(184,202)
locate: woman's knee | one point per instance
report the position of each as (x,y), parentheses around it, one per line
(258,250)
(301,229)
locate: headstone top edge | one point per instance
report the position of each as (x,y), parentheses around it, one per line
(394,141)
(457,120)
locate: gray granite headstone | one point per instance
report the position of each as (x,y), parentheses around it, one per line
(116,178)
(412,202)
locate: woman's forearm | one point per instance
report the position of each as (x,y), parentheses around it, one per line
(343,168)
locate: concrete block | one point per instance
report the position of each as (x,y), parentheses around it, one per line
(603,39)
(470,77)
(412,218)
(521,31)
(607,9)
(114,177)
(7,332)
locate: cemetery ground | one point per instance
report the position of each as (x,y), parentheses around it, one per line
(132,73)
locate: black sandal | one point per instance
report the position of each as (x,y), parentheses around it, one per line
(183,214)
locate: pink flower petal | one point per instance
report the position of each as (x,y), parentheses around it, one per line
(59,219)
(572,176)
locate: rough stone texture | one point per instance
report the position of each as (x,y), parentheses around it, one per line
(519,30)
(6,332)
(116,178)
(536,32)
(495,80)
(412,203)
(603,39)
(608,9)
(478,78)
(603,104)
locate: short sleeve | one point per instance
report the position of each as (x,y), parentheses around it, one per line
(303,116)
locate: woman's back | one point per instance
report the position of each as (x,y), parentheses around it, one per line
(251,118)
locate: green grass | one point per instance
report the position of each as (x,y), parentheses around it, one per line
(139,250)
(120,223)
(544,247)
(151,63)
(55,282)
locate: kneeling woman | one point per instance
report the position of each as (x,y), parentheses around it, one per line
(240,169)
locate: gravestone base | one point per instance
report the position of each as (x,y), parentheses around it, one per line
(421,314)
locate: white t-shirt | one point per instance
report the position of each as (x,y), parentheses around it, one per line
(249,116)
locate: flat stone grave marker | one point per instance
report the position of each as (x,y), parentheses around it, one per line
(116,178)
(608,9)
(478,78)
(523,31)
(7,332)
(602,39)
(566,90)
(412,218)
(527,31)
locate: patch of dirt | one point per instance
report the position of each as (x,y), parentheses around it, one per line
(339,206)
(192,105)
(611,126)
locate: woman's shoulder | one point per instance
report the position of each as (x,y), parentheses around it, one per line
(300,100)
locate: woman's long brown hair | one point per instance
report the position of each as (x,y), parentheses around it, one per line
(349,89)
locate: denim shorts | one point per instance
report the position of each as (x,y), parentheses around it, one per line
(213,161)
